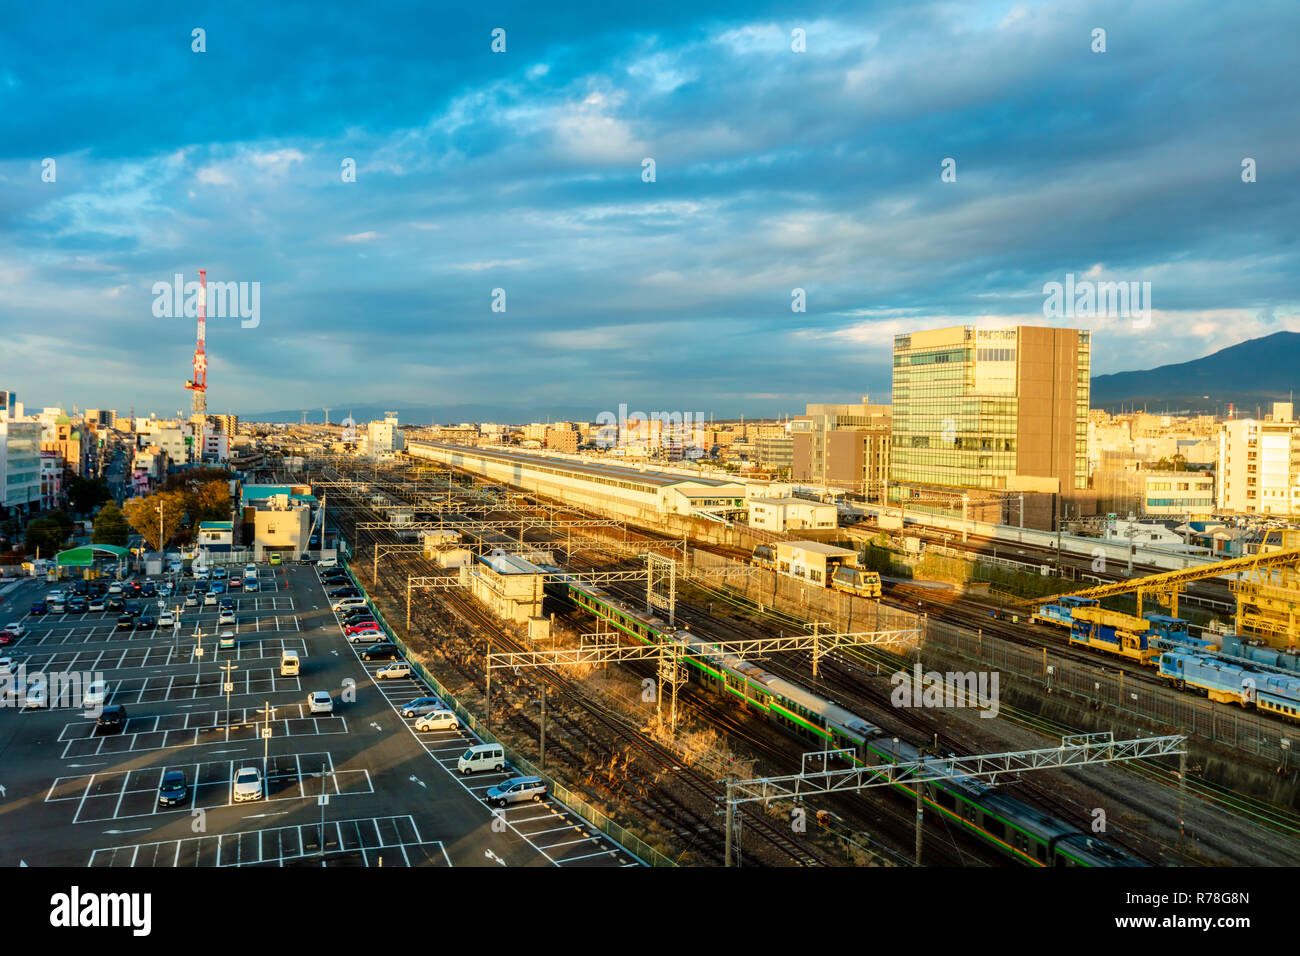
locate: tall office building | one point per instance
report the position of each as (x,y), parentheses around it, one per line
(987,412)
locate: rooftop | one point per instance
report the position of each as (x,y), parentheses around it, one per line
(816,547)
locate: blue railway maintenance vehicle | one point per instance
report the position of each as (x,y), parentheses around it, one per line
(1232,682)
(1020,831)
(1060,613)
(1123,635)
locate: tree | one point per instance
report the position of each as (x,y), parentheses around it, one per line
(85,494)
(210,502)
(110,527)
(143,514)
(46,535)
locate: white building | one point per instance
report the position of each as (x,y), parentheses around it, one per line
(790,514)
(20,460)
(1258,473)
(1179,493)
(384,438)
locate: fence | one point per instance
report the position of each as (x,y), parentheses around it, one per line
(1224,724)
(601,821)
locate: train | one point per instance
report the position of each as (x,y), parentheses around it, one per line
(1061,614)
(1232,682)
(852,580)
(1021,832)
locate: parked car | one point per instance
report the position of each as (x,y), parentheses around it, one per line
(15,630)
(146,621)
(34,696)
(38,608)
(97,604)
(227,640)
(125,621)
(236,583)
(250,584)
(209,600)
(226,617)
(347,604)
(382,652)
(165,619)
(275,559)
(116,604)
(438,720)
(133,608)
(367,637)
(517,790)
(247,784)
(95,694)
(78,605)
(191,600)
(173,789)
(421,706)
(112,719)
(320,703)
(359,626)
(345,592)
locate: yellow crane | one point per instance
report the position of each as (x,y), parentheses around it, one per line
(1266,584)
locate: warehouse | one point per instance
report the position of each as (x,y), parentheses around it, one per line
(625,492)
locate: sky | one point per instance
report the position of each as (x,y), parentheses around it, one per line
(775,169)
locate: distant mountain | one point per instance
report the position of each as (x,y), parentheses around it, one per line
(1249,374)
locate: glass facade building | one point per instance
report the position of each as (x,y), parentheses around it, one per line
(975,408)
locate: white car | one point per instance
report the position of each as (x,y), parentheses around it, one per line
(35,696)
(166,589)
(250,570)
(15,630)
(6,664)
(95,694)
(226,617)
(247,785)
(250,584)
(347,604)
(227,639)
(165,619)
(395,669)
(366,637)
(320,703)
(115,589)
(200,574)
(209,600)
(96,604)
(438,720)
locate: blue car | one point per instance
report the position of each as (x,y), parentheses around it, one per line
(40,607)
(173,789)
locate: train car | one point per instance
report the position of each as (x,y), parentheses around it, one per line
(1022,832)
(856,581)
(1218,679)
(1061,613)
(1120,634)
(764,556)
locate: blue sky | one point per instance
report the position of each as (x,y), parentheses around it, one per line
(522,171)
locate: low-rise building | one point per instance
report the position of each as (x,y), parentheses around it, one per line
(790,514)
(812,561)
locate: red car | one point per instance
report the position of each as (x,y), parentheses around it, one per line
(360,626)
(5,639)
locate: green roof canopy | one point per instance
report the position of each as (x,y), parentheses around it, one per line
(84,556)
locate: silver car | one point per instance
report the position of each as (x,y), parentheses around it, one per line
(517,790)
(422,706)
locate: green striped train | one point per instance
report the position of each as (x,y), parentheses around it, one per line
(1022,832)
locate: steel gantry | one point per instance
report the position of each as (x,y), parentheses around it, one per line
(1079,750)
(603,647)
(430,582)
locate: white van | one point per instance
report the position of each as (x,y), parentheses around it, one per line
(289,664)
(347,604)
(482,757)
(327,563)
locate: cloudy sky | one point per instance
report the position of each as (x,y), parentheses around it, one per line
(523,170)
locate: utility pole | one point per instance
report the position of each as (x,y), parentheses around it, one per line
(229,685)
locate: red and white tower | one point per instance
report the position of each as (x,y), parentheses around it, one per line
(199,384)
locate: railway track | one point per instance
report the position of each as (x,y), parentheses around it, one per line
(692,825)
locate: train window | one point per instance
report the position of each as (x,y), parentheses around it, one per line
(945,800)
(1042,852)
(995,827)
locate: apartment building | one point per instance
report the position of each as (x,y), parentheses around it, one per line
(1259,464)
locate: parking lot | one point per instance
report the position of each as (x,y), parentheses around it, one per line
(358,786)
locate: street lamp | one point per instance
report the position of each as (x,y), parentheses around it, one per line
(229,685)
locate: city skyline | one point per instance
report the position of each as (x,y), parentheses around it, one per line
(775,171)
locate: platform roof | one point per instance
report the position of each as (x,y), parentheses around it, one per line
(653,480)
